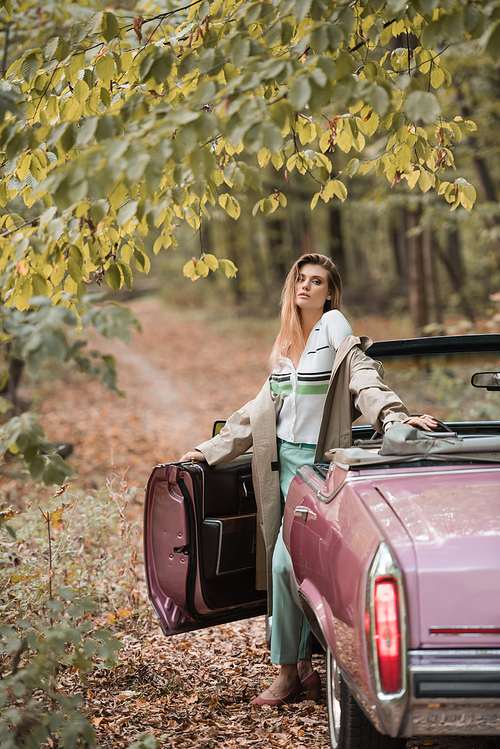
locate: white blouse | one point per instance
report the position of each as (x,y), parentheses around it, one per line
(304,389)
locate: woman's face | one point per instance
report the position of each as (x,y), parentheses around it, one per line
(311,289)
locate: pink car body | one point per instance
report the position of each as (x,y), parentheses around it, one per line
(441,525)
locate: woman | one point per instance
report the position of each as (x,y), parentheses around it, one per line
(321,380)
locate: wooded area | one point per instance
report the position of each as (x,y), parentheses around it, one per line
(149,144)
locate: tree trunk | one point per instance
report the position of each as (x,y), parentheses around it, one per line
(399,241)
(302,240)
(337,250)
(452,260)
(416,276)
(431,280)
(279,259)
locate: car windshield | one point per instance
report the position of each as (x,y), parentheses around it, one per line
(441,385)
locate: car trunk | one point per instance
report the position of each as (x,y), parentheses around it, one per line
(452,515)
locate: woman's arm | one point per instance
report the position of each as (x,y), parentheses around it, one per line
(425,421)
(234,439)
(193,455)
(376,401)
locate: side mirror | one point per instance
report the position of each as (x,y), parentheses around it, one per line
(217,426)
(488,380)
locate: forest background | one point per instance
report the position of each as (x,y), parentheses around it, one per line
(146,146)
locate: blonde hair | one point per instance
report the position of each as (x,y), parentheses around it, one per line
(290,339)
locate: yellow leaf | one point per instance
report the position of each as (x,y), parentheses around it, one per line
(277,160)
(23,168)
(211,261)
(189,271)
(345,140)
(437,77)
(229,268)
(424,181)
(201,269)
(340,190)
(412,178)
(263,157)
(403,157)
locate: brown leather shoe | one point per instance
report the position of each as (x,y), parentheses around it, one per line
(294,695)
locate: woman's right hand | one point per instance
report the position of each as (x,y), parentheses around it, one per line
(193,455)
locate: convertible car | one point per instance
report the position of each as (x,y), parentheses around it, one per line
(395,544)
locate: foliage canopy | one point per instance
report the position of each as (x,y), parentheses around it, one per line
(121,126)
(130,125)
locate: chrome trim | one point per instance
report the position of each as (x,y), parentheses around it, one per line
(308,480)
(333,699)
(328,497)
(462,631)
(454,653)
(300,511)
(459,661)
(391,706)
(425,472)
(220,523)
(314,485)
(348,480)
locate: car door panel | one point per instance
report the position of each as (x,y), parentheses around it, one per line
(200,543)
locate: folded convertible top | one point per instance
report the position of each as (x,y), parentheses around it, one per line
(403,443)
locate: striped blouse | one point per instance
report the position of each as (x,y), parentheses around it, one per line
(304,389)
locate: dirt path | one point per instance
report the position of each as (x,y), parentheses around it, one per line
(178,376)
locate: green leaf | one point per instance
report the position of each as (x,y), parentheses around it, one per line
(352,167)
(105,68)
(301,8)
(141,260)
(30,66)
(114,276)
(127,273)
(127,212)
(379,100)
(41,287)
(109,26)
(421,105)
(300,92)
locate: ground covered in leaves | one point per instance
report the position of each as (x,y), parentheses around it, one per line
(191,690)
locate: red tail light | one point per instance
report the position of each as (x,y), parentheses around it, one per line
(387,633)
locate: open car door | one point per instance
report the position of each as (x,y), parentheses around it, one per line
(199,544)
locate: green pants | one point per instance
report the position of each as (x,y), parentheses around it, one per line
(290,635)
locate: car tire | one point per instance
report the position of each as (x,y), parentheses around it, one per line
(348,726)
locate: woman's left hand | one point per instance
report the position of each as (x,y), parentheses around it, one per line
(425,421)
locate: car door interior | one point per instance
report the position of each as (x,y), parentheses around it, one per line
(227,522)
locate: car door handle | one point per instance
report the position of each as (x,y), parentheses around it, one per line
(304,512)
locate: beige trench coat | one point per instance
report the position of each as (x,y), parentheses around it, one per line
(356,386)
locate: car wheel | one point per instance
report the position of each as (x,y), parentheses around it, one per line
(348,725)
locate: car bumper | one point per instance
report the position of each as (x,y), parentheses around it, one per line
(453,692)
